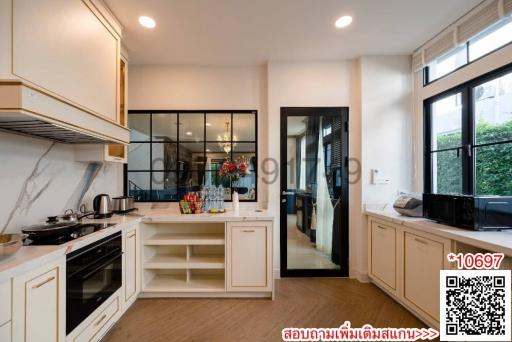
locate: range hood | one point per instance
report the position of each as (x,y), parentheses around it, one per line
(28,111)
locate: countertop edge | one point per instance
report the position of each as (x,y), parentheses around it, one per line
(494,241)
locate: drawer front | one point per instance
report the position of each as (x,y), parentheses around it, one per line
(383,253)
(5,332)
(423,259)
(100,321)
(5,299)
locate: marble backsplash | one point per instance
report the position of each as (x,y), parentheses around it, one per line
(39,178)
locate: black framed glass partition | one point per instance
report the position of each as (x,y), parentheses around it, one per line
(173,152)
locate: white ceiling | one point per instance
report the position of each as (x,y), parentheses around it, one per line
(250,32)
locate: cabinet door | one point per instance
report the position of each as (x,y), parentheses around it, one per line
(130,266)
(249,258)
(39,304)
(383,254)
(423,259)
(5,332)
(67,50)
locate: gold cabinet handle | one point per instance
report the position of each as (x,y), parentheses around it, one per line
(381,227)
(423,242)
(43,282)
(101,319)
(130,236)
(248,230)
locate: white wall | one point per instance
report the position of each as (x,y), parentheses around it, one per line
(484,65)
(40,178)
(386,90)
(204,87)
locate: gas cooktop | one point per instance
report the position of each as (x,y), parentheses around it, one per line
(70,234)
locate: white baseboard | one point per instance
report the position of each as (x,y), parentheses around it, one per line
(277,273)
(361,276)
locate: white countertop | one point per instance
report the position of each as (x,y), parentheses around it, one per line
(29,257)
(494,241)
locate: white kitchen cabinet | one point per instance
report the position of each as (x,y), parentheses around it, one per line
(96,325)
(5,332)
(5,300)
(131,265)
(383,256)
(60,61)
(39,304)
(424,258)
(249,256)
(101,153)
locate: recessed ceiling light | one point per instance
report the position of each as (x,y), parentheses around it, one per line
(343,21)
(147,21)
(188,133)
(208,150)
(208,124)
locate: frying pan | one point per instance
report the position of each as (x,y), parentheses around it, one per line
(48,229)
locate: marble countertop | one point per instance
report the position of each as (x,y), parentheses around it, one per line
(29,257)
(494,241)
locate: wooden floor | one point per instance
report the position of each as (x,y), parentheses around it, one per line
(312,302)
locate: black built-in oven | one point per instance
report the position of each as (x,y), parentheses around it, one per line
(93,274)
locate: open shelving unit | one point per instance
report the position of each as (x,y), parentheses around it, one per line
(184,257)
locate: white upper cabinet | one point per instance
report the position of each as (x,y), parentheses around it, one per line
(66,48)
(61,69)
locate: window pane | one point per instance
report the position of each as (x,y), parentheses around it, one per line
(218,127)
(138,185)
(493,110)
(138,156)
(218,151)
(447,63)
(244,127)
(164,156)
(494,170)
(191,156)
(446,172)
(491,39)
(191,126)
(165,127)
(164,186)
(139,125)
(447,122)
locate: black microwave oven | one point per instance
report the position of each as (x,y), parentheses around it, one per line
(470,212)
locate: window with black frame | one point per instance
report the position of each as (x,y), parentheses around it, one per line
(468,140)
(174,152)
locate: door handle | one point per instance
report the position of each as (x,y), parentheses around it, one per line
(43,282)
(284,193)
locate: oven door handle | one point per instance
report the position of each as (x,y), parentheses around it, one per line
(99,267)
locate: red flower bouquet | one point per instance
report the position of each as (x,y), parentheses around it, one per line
(234,170)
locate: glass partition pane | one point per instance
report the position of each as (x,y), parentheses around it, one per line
(138,185)
(164,186)
(138,155)
(447,122)
(244,127)
(218,126)
(191,126)
(140,127)
(164,156)
(165,127)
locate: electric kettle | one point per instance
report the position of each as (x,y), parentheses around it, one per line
(102,206)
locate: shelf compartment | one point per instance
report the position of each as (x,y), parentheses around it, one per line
(180,262)
(185,239)
(162,282)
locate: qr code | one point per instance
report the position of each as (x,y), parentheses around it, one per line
(475,305)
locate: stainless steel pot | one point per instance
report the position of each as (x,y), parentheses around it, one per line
(10,243)
(123,204)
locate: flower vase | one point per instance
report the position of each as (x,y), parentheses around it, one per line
(235,202)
